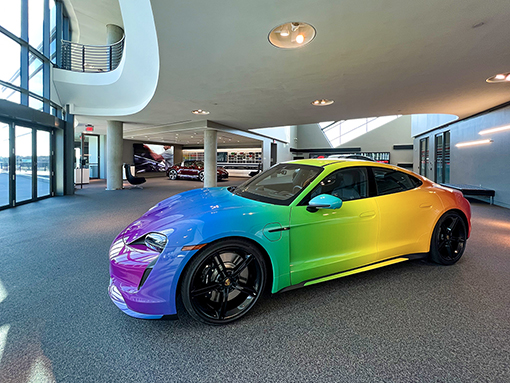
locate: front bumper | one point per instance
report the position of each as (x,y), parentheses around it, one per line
(119,301)
(156,297)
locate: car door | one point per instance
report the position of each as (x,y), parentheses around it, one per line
(328,241)
(407,213)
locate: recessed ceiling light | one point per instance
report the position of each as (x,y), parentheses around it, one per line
(500,77)
(199,111)
(322,102)
(292,35)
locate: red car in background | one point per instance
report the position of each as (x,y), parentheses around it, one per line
(192,169)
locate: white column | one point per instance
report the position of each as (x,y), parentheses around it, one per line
(210,157)
(113,33)
(114,143)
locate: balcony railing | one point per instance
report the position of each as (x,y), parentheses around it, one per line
(91,58)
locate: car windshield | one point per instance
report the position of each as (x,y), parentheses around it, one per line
(279,185)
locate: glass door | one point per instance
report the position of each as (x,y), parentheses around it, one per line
(424,156)
(23,140)
(43,163)
(90,152)
(439,178)
(4,164)
(443,157)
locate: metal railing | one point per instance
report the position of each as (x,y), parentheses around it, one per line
(91,58)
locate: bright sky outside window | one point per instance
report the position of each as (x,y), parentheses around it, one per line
(10,16)
(343,131)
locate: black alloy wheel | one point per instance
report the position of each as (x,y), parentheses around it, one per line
(201,176)
(223,282)
(449,239)
(172,174)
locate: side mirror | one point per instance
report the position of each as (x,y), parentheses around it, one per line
(324,201)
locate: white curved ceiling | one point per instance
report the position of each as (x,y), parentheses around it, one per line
(373,58)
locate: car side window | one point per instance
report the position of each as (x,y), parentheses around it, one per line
(390,181)
(346,184)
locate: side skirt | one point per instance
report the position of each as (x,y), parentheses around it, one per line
(361,269)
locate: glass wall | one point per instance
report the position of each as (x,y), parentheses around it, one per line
(4,164)
(30,37)
(26,163)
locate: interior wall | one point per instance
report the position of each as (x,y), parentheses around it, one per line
(310,136)
(482,165)
(382,139)
(422,123)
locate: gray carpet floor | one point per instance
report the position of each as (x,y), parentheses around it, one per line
(410,322)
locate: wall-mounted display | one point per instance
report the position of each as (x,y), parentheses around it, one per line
(152,157)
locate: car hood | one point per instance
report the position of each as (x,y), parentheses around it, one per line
(185,206)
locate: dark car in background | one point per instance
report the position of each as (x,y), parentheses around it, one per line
(193,169)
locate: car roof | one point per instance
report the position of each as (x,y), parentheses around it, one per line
(322,162)
(336,163)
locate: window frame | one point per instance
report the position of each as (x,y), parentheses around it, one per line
(306,199)
(374,188)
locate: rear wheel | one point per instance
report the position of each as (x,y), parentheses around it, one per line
(223,282)
(448,239)
(201,176)
(172,174)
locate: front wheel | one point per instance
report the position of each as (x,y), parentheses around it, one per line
(223,282)
(201,176)
(448,239)
(172,174)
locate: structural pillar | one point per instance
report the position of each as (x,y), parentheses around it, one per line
(114,144)
(210,158)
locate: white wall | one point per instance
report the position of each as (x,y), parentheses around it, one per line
(424,122)
(382,139)
(484,165)
(310,136)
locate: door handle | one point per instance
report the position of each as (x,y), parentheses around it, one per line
(367,214)
(425,206)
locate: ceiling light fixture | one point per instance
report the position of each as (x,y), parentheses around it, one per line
(473,143)
(322,102)
(199,111)
(292,35)
(494,130)
(500,77)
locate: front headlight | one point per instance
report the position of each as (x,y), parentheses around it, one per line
(156,241)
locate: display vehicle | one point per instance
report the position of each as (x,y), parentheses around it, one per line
(296,224)
(193,169)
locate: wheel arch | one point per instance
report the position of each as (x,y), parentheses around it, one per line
(451,210)
(462,215)
(263,251)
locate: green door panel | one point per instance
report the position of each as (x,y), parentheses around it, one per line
(330,241)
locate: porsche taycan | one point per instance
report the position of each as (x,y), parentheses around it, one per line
(298,223)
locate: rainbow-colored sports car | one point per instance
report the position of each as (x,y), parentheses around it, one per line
(296,224)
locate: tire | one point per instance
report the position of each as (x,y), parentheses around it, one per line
(448,239)
(172,174)
(223,282)
(201,176)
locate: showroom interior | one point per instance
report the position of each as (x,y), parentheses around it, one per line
(93,90)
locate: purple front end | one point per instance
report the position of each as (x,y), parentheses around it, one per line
(143,281)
